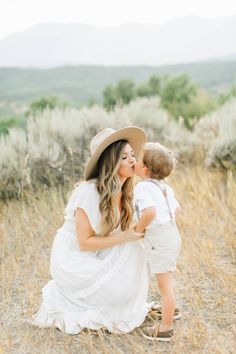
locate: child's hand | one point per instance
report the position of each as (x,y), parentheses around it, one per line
(139,229)
(135,227)
(131,235)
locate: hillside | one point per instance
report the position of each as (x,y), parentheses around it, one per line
(78,84)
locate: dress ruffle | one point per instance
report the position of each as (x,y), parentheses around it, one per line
(51,314)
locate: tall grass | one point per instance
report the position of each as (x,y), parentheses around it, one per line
(205,279)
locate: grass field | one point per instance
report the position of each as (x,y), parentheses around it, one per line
(205,280)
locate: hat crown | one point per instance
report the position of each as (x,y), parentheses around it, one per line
(99,138)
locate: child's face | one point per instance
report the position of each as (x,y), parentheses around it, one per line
(139,168)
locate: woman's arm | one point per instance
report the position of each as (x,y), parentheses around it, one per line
(89,242)
(147,216)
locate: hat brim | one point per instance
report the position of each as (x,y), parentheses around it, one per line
(135,136)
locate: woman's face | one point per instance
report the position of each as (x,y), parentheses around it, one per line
(126,168)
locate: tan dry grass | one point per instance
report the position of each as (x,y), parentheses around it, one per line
(205,280)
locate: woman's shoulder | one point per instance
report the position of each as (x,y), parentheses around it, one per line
(86,187)
(86,197)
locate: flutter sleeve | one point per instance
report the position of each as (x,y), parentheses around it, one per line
(86,197)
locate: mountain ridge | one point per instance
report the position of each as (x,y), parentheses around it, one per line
(180,40)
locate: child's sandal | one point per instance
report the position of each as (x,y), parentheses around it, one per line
(153,333)
(158,311)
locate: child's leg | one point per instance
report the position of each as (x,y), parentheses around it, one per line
(165,284)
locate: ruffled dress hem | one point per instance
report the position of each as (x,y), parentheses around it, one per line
(73,323)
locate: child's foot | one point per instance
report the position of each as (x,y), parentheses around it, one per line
(158,310)
(155,334)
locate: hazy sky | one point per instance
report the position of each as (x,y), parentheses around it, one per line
(19,15)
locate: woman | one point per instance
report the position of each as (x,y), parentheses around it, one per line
(99,274)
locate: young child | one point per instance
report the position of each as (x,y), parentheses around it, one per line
(156,209)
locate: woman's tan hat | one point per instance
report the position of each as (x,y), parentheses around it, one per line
(135,136)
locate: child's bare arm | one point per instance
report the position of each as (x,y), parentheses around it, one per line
(147,216)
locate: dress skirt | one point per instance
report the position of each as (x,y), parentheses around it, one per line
(105,289)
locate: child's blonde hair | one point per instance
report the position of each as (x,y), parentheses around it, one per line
(159,160)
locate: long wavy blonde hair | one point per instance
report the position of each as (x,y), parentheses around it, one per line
(109,186)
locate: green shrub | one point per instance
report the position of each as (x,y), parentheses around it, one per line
(109,97)
(6,124)
(228,95)
(178,95)
(48,102)
(122,93)
(150,88)
(199,105)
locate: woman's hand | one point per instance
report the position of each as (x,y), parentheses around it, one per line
(89,241)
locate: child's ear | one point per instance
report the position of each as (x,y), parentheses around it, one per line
(145,170)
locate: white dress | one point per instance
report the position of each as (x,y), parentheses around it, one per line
(103,289)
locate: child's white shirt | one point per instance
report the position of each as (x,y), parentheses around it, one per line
(147,194)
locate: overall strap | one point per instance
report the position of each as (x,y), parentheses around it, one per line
(164,192)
